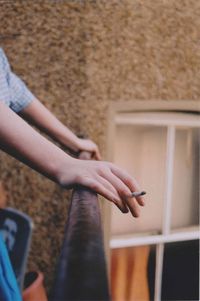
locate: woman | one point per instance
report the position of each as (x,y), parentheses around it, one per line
(21,141)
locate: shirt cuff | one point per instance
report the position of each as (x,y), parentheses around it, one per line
(26,98)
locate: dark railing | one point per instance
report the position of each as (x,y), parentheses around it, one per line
(81,272)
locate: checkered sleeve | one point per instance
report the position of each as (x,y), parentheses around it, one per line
(20,94)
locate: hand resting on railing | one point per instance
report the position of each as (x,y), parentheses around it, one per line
(20,140)
(105,178)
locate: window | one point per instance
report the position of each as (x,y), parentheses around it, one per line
(158,143)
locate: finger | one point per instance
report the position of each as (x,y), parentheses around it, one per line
(119,185)
(97,155)
(129,181)
(134,207)
(124,192)
(102,190)
(110,187)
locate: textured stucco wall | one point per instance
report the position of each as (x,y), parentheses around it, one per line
(77,57)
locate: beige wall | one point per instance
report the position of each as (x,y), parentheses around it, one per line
(77,57)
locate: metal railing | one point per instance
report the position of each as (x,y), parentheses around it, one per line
(81,272)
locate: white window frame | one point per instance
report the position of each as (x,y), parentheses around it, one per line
(168,235)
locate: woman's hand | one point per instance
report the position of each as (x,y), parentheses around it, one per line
(21,141)
(89,146)
(107,179)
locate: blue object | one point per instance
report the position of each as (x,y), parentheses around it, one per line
(9,290)
(16,230)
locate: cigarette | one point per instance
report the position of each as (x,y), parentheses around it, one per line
(136,194)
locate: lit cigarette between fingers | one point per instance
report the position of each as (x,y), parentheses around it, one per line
(136,194)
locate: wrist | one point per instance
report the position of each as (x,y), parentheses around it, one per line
(66,175)
(76,144)
(70,140)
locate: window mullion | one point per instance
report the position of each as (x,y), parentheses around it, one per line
(167,209)
(158,273)
(169,180)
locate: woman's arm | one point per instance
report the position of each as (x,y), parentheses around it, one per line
(21,141)
(40,116)
(31,109)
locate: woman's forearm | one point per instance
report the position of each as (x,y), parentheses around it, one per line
(39,115)
(24,143)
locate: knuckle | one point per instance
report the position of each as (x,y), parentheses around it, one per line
(87,181)
(79,179)
(99,170)
(102,172)
(123,192)
(102,169)
(130,182)
(93,185)
(110,165)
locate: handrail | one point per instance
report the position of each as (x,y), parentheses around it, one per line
(81,273)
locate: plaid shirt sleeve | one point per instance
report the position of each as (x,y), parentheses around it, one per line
(13,90)
(20,94)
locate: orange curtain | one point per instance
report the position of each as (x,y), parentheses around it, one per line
(129,274)
(3,196)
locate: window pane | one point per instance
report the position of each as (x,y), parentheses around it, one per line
(185,198)
(180,279)
(129,277)
(142,151)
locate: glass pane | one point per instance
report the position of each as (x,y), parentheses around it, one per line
(180,279)
(129,274)
(142,151)
(185,198)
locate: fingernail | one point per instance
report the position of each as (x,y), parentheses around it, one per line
(122,209)
(135,214)
(125,210)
